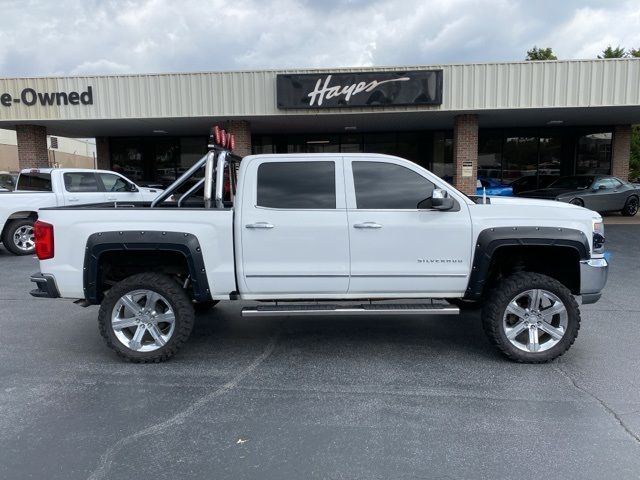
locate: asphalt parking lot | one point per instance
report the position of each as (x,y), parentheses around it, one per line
(340,398)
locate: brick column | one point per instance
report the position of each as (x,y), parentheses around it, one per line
(465,150)
(621,151)
(242,130)
(32,146)
(103,153)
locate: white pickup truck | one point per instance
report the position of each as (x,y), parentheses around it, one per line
(324,234)
(51,187)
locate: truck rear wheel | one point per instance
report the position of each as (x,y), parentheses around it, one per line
(18,237)
(146,318)
(531,318)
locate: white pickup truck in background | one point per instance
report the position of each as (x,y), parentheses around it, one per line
(324,234)
(57,187)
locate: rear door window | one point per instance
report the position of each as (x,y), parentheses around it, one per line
(79,182)
(35,182)
(297,185)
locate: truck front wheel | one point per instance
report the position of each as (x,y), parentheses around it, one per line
(18,237)
(146,318)
(531,318)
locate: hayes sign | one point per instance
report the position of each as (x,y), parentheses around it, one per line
(360,89)
(29,97)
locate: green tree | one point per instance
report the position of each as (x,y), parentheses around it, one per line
(611,52)
(634,161)
(540,54)
(634,52)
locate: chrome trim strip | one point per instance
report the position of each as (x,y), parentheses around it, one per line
(426,275)
(299,276)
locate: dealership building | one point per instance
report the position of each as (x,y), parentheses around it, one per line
(495,120)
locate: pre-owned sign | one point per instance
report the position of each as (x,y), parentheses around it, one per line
(30,97)
(359,89)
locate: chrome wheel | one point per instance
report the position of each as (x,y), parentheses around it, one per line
(24,238)
(535,320)
(143,320)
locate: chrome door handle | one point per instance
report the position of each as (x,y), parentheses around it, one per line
(259,225)
(111,199)
(73,199)
(367,225)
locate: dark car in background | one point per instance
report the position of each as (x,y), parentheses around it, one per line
(532,182)
(602,193)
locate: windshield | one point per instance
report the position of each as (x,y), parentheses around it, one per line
(579,182)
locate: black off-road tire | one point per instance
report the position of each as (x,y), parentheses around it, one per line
(496,304)
(204,307)
(178,299)
(631,207)
(7,236)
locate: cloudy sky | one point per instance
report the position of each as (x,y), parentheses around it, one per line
(97,37)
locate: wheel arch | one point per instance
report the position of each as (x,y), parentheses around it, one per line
(505,250)
(113,256)
(19,216)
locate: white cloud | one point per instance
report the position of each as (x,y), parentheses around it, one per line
(99,67)
(126,36)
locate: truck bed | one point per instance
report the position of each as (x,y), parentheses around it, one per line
(74,225)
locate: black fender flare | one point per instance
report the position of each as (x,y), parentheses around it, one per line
(184,243)
(492,239)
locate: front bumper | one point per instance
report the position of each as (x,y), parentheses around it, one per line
(46,286)
(593,277)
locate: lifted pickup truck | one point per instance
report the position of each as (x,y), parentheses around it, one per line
(51,187)
(324,234)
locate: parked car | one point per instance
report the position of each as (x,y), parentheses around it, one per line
(493,188)
(8,181)
(532,182)
(601,193)
(47,187)
(353,232)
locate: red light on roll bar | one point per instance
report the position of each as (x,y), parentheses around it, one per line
(232,142)
(216,135)
(223,138)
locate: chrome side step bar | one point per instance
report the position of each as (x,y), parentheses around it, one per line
(366,309)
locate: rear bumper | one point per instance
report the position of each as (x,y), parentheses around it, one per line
(593,277)
(45,286)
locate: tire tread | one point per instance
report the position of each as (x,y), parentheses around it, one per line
(503,292)
(172,292)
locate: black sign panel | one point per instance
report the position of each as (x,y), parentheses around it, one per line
(360,89)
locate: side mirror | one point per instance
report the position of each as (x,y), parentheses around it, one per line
(440,200)
(132,187)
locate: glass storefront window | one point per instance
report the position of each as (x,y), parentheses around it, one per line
(520,157)
(550,156)
(490,155)
(594,154)
(442,163)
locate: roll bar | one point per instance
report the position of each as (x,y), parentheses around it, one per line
(214,163)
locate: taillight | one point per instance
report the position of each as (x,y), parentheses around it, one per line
(43,233)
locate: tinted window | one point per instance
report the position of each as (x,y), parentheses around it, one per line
(608,183)
(113,183)
(578,182)
(388,186)
(297,185)
(37,182)
(80,182)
